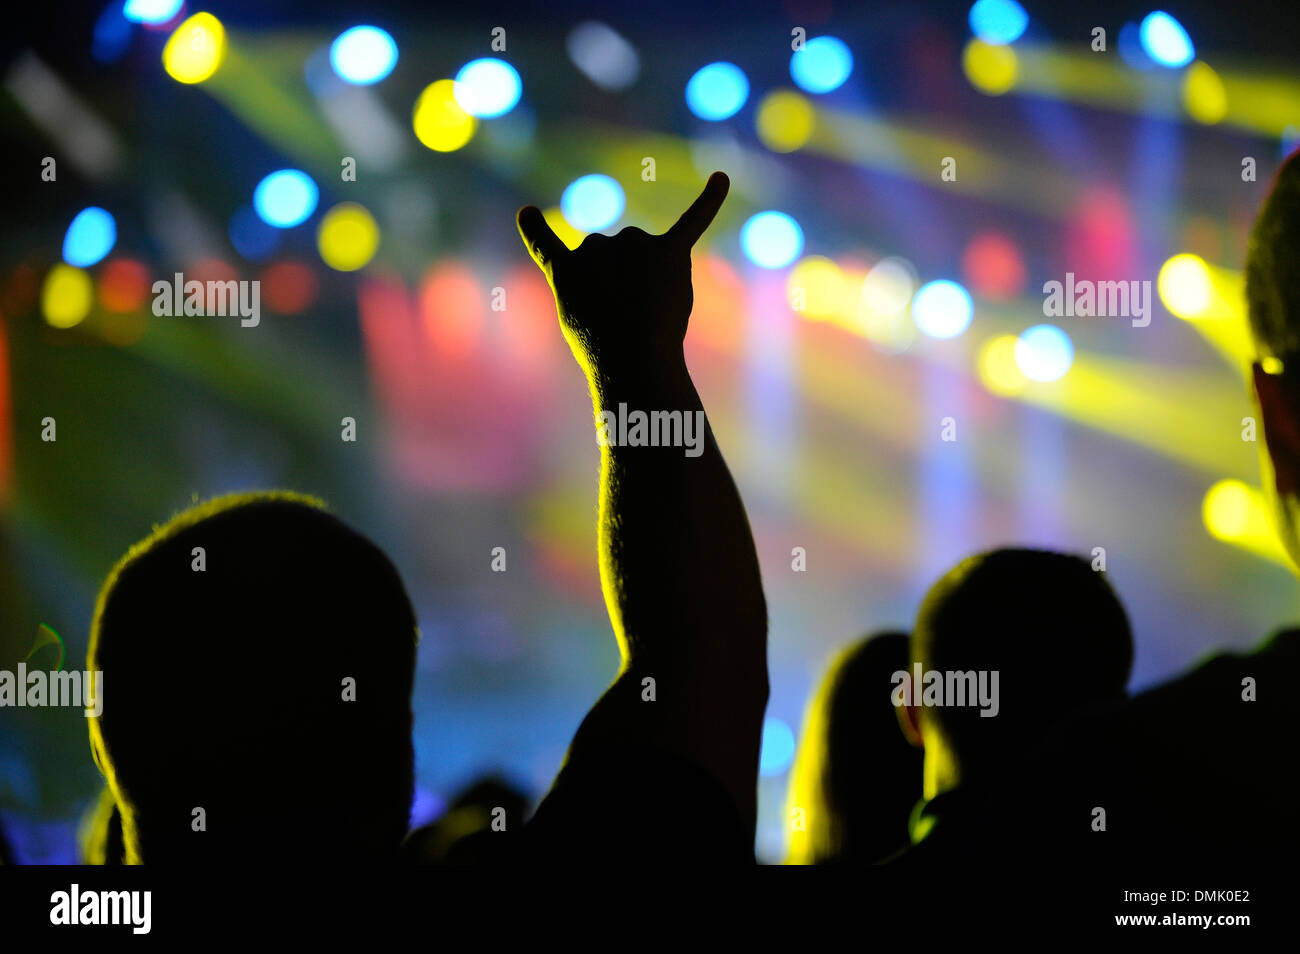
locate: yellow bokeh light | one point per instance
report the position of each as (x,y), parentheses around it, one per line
(991,69)
(66,296)
(439,121)
(785,121)
(817,289)
(1184,286)
(998,368)
(888,287)
(1204,96)
(348,237)
(1228,509)
(1237,513)
(882,309)
(566,233)
(195,49)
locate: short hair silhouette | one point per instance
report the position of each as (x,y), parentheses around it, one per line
(1272,279)
(856,778)
(1046,622)
(1273,297)
(226,678)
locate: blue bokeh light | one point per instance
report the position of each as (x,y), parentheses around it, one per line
(488,87)
(112,34)
(1044,353)
(822,65)
(717,91)
(1130,48)
(942,309)
(777,750)
(771,239)
(1165,40)
(151,11)
(90,237)
(592,202)
(253,238)
(363,55)
(998,21)
(286,198)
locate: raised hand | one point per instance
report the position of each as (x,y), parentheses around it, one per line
(677,562)
(624,300)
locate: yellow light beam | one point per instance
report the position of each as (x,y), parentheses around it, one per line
(1212,300)
(1237,513)
(1187,415)
(1262,103)
(249,86)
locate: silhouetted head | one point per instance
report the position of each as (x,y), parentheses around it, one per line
(856,778)
(257,658)
(1030,637)
(1273,299)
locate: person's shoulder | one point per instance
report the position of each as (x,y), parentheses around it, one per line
(635,806)
(1283,644)
(1276,660)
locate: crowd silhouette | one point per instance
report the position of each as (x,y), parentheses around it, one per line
(998,727)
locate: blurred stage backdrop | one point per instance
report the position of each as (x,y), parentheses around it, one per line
(903,186)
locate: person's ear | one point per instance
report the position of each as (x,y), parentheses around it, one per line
(1281,428)
(909,721)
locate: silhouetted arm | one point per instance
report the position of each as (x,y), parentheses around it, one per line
(677,560)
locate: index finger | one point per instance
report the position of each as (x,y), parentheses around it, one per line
(543,244)
(696,219)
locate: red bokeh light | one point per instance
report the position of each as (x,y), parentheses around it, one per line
(993,266)
(124,285)
(452,308)
(288,287)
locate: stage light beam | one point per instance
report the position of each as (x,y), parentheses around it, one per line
(1237,513)
(1184,286)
